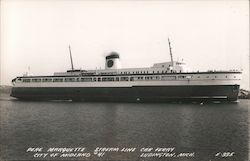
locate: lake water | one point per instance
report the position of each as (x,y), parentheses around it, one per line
(99,131)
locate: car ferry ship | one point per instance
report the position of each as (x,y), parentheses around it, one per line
(167,81)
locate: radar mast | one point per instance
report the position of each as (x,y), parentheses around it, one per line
(171,55)
(72,66)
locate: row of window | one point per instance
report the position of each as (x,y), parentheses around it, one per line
(134,72)
(93,79)
(146,72)
(104,79)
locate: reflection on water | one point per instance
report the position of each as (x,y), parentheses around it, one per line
(204,129)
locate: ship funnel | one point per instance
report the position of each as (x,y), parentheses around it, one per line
(113,61)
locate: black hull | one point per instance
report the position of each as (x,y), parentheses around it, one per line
(129,94)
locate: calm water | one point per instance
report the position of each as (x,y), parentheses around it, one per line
(207,130)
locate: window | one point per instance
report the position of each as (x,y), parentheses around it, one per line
(36,80)
(108,79)
(26,80)
(156,78)
(46,80)
(87,79)
(69,79)
(58,80)
(136,78)
(182,77)
(168,77)
(104,79)
(152,78)
(124,78)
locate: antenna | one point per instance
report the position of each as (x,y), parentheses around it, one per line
(171,55)
(72,66)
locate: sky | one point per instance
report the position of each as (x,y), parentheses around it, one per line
(208,35)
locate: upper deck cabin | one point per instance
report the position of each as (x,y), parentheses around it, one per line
(158,68)
(113,67)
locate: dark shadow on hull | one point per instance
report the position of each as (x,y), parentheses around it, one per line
(154,94)
(135,100)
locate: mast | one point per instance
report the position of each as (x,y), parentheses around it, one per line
(171,55)
(72,66)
